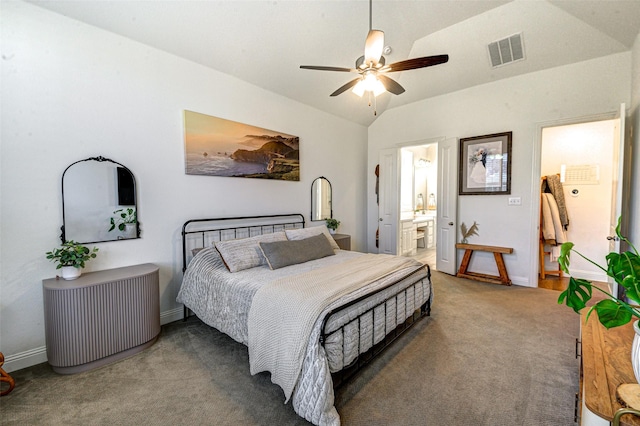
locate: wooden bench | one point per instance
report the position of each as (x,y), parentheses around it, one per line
(497,254)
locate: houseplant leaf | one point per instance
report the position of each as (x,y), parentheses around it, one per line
(71,254)
(624,268)
(563,259)
(577,294)
(612,313)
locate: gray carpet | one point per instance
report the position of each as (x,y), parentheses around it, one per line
(488,355)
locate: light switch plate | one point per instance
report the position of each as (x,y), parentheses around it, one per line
(515,201)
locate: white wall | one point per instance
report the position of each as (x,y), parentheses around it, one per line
(590,209)
(634,122)
(517,104)
(71,91)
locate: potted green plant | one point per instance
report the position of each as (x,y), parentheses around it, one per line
(71,258)
(125,220)
(624,269)
(332,224)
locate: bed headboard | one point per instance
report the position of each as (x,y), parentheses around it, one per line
(198,233)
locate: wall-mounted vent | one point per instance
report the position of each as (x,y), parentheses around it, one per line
(507,50)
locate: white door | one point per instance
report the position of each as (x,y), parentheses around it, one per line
(389,204)
(447,206)
(618,189)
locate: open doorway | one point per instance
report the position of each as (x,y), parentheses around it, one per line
(584,155)
(418,206)
(445,178)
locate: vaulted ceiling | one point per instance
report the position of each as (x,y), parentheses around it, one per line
(265,42)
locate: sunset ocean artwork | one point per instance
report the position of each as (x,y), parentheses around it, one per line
(218,147)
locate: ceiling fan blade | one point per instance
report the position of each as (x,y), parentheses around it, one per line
(373,47)
(391,85)
(321,68)
(411,64)
(345,87)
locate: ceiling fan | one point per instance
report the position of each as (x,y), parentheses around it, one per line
(372,68)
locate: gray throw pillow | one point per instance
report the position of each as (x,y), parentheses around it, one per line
(284,253)
(245,253)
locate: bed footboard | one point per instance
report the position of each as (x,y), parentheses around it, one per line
(368,333)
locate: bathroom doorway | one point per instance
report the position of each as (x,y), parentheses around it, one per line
(418,202)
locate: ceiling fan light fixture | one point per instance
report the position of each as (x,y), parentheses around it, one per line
(378,88)
(369,80)
(358,89)
(369,83)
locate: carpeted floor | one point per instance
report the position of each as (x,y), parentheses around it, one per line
(488,355)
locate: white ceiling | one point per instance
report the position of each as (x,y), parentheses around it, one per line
(264,42)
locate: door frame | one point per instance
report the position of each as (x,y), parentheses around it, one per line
(447,212)
(388,208)
(536,174)
(398,147)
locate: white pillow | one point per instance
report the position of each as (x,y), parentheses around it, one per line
(302,233)
(245,253)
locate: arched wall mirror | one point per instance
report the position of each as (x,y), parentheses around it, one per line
(98,202)
(321,205)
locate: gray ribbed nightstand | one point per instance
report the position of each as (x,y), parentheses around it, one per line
(101,317)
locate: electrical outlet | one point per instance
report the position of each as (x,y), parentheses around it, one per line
(515,201)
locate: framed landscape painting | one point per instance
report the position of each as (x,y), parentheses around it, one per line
(485,165)
(218,147)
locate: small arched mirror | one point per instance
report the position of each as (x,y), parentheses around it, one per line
(321,207)
(98,202)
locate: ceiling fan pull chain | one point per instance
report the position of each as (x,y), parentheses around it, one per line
(375,103)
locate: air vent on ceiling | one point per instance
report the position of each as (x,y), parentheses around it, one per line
(507,50)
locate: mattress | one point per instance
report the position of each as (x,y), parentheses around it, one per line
(223,300)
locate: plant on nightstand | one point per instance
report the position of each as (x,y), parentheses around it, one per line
(71,258)
(332,224)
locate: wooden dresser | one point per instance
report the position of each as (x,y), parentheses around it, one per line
(606,364)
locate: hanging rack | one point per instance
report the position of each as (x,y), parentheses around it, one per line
(544,272)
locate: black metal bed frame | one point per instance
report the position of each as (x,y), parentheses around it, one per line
(280,222)
(362,359)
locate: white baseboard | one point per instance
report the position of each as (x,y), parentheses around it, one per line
(589,276)
(523,282)
(170,316)
(36,356)
(25,359)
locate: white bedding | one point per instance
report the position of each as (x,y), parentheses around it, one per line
(223,301)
